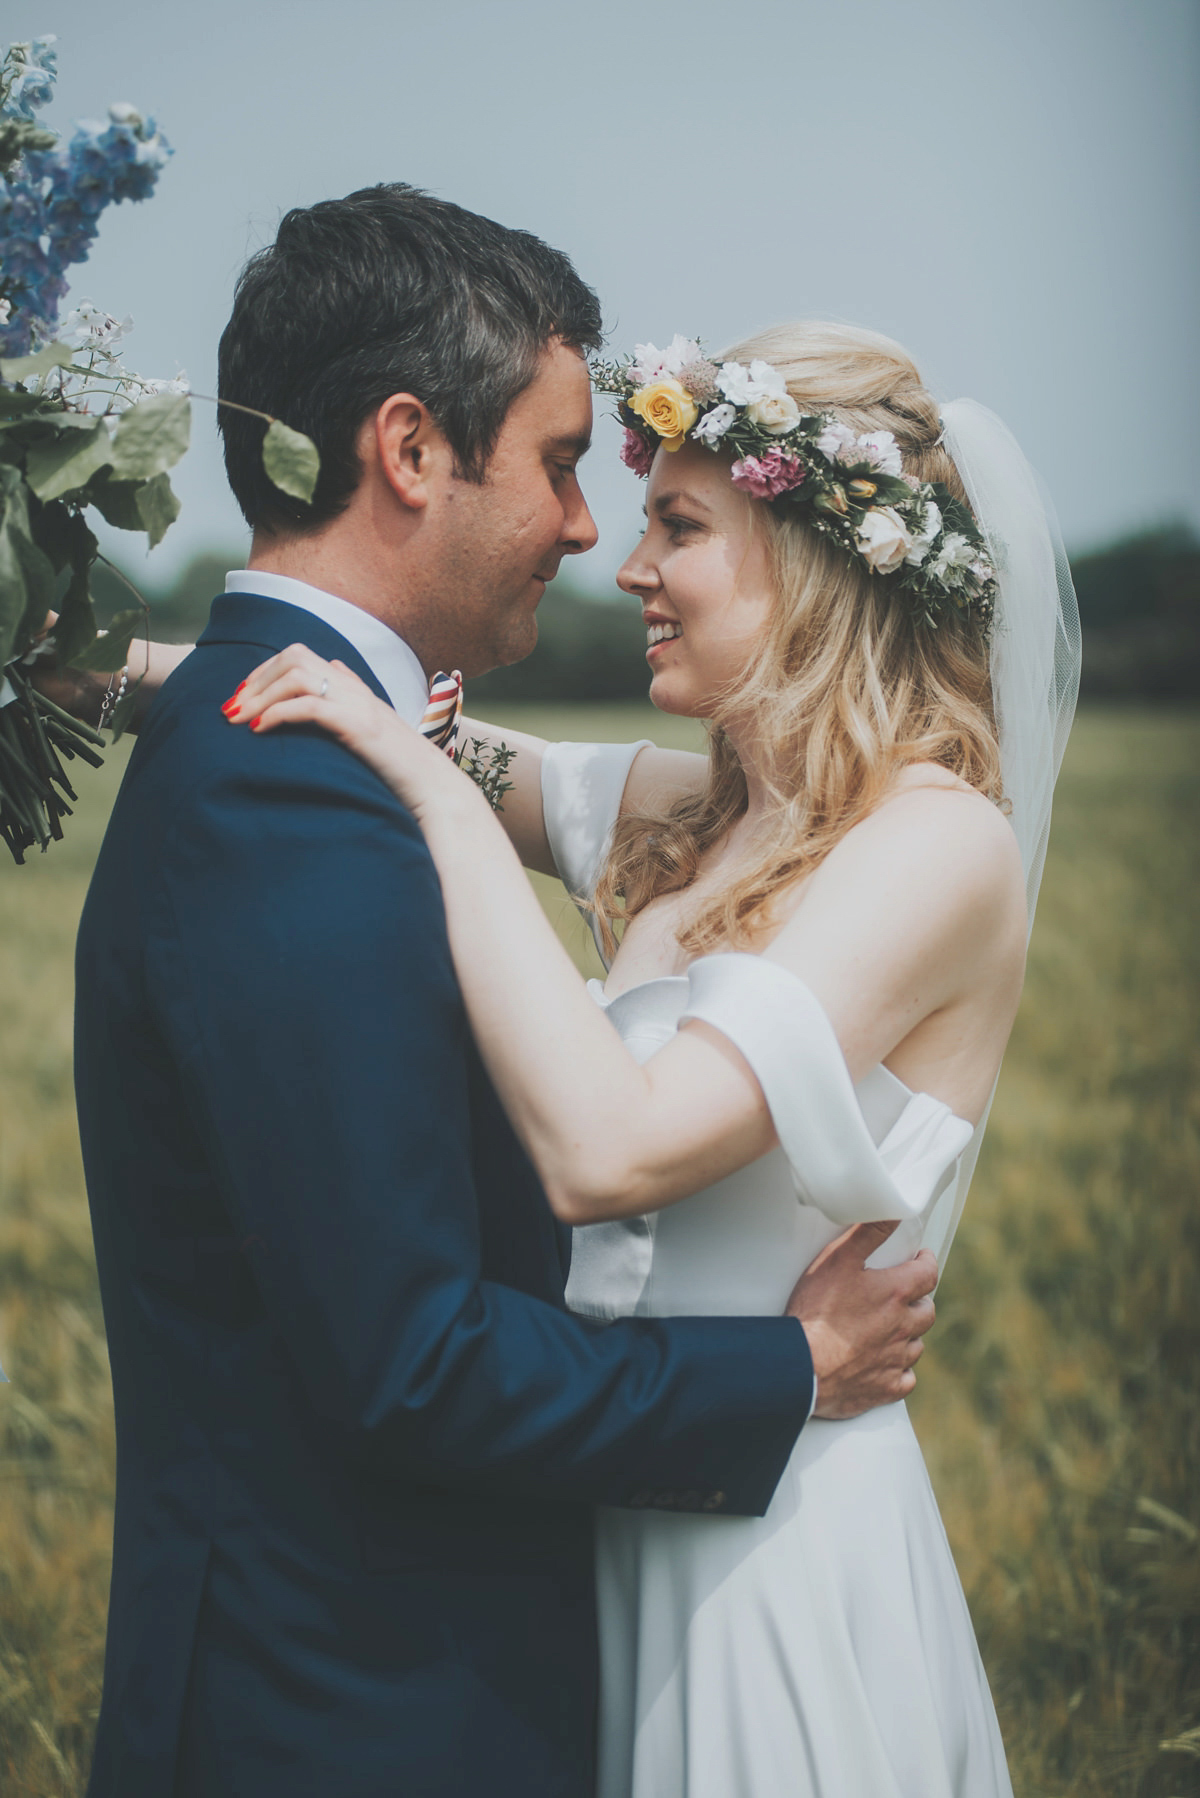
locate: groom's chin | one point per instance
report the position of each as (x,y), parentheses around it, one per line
(505,648)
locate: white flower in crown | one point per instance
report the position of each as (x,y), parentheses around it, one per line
(742,385)
(714,424)
(883,539)
(835,440)
(881,450)
(651,364)
(922,539)
(776,413)
(956,552)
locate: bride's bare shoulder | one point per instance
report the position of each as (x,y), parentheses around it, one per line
(933,843)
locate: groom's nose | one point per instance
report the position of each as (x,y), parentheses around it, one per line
(579,531)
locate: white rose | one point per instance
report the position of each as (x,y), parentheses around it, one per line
(883,539)
(777,413)
(714,424)
(930,526)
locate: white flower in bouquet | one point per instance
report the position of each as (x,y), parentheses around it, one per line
(90,328)
(883,539)
(180,384)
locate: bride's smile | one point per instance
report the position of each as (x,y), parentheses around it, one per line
(702,574)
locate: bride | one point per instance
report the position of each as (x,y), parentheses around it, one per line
(815,940)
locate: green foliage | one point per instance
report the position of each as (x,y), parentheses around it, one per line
(151,437)
(487,767)
(25,368)
(56,459)
(66,461)
(291,461)
(26,574)
(105,654)
(157,507)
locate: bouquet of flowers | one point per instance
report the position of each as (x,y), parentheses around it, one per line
(77,431)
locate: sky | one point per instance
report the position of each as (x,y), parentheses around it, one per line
(1011,188)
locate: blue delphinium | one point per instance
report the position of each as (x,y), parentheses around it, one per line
(30,71)
(51,198)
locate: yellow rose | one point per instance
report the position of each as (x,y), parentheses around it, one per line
(667,408)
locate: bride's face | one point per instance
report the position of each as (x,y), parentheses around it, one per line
(702,574)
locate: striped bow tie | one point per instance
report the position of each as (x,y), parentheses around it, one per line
(440,722)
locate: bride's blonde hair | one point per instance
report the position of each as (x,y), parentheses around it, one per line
(846,686)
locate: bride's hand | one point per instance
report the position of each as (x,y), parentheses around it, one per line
(298,687)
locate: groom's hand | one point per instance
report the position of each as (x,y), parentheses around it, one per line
(864,1325)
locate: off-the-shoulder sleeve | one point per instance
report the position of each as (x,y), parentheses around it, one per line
(784,1034)
(582,784)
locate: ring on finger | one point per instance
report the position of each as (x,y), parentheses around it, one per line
(324,688)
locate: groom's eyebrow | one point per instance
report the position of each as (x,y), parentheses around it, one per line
(574,443)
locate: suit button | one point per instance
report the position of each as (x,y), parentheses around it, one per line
(639,1500)
(713,1502)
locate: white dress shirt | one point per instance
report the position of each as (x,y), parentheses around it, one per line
(388,656)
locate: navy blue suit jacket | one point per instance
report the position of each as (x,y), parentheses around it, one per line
(358,1433)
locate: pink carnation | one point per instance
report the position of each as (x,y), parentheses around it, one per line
(636,453)
(768,475)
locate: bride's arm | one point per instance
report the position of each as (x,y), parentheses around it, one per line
(611,1138)
(657,777)
(81,692)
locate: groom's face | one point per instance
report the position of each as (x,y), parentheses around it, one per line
(504,539)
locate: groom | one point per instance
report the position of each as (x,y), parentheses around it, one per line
(359,1436)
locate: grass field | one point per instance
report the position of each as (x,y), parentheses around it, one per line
(1059,1405)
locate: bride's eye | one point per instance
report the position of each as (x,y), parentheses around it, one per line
(679,528)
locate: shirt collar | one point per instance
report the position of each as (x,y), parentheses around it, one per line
(388,656)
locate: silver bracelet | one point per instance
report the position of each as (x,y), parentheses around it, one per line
(113,695)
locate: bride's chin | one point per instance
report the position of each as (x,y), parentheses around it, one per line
(666,696)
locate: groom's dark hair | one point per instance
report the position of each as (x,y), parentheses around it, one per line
(387,291)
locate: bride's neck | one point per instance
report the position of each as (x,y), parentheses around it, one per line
(750,752)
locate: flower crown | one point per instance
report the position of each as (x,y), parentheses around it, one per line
(852,489)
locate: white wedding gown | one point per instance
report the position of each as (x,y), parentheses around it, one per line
(824,1650)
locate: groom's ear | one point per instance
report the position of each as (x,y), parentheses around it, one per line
(409,447)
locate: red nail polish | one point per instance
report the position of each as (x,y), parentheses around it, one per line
(230,710)
(254,723)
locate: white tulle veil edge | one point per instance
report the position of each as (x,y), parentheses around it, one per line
(1036,653)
